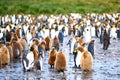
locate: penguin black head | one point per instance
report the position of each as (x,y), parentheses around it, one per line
(87,29)
(31,48)
(92,41)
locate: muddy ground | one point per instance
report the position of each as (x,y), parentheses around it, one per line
(106,66)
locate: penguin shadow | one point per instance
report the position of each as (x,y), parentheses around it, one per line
(2,66)
(57,74)
(61,75)
(64,77)
(51,68)
(86,74)
(76,69)
(29,75)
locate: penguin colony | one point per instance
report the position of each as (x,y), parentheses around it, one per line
(29,38)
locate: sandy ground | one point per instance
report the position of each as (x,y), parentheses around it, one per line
(106,66)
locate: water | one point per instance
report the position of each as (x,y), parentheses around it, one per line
(106,66)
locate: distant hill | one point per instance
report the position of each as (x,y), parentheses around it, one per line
(37,7)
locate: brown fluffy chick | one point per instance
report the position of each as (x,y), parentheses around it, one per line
(86,61)
(52,57)
(60,62)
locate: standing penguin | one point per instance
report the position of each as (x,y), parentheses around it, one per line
(91,47)
(113,33)
(52,57)
(79,54)
(69,43)
(1,36)
(27,60)
(38,62)
(106,40)
(74,39)
(52,33)
(46,33)
(23,42)
(78,57)
(66,31)
(48,43)
(17,48)
(28,37)
(101,37)
(31,58)
(60,62)
(9,46)
(41,48)
(4,54)
(78,33)
(87,35)
(118,33)
(75,52)
(86,61)
(61,37)
(33,32)
(92,31)
(8,36)
(56,43)
(18,32)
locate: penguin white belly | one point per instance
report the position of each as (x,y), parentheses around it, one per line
(25,29)
(40,63)
(93,32)
(76,32)
(29,37)
(52,34)
(20,33)
(1,35)
(113,33)
(78,58)
(46,33)
(87,37)
(66,31)
(8,28)
(17,52)
(13,20)
(30,58)
(60,27)
(72,45)
(41,34)
(56,33)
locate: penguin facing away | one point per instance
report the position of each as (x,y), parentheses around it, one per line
(60,62)
(91,47)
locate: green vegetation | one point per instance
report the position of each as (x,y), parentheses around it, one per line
(37,7)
